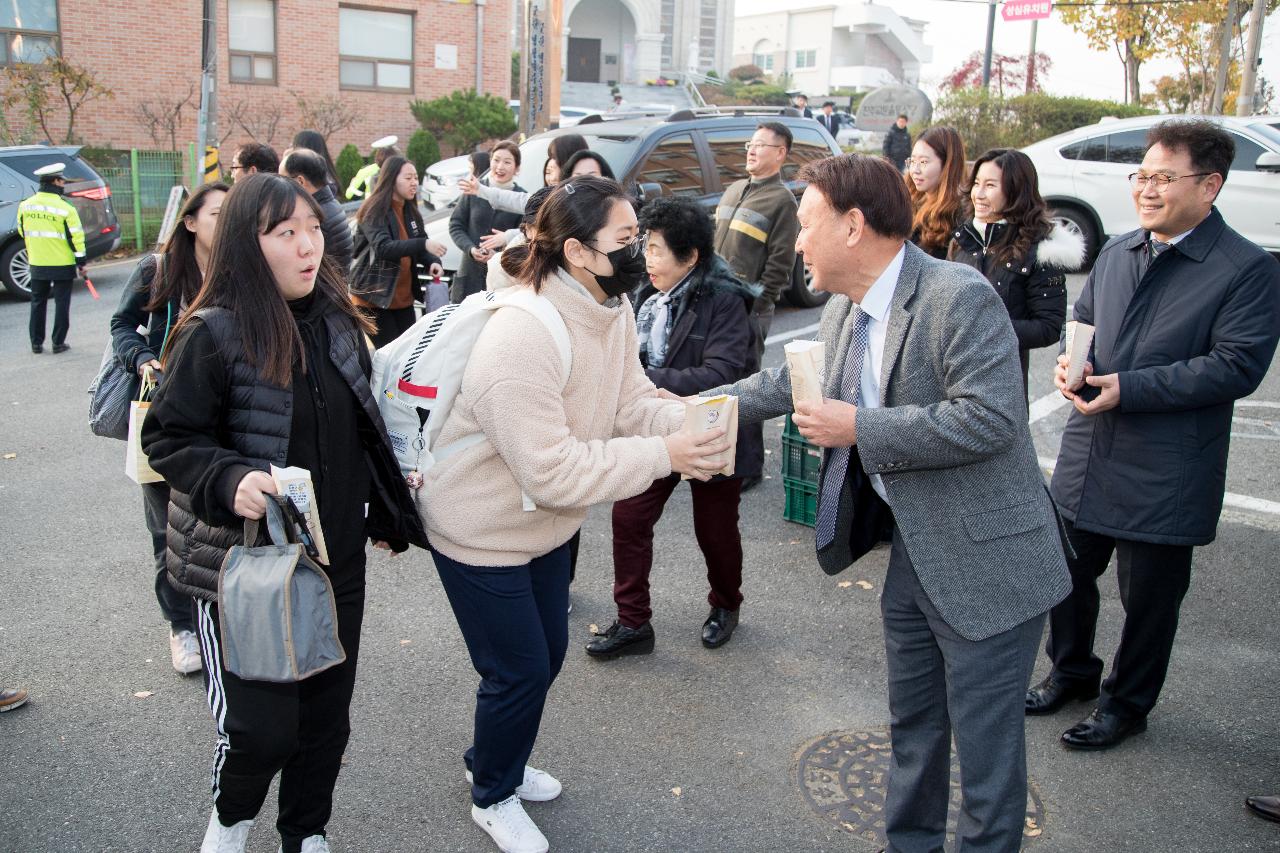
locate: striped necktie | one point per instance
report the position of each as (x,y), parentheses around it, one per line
(838,458)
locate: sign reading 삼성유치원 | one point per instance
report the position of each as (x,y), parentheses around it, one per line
(1026,10)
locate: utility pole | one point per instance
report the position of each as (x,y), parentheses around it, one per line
(1224,60)
(207,123)
(991,33)
(1249,74)
(1031,58)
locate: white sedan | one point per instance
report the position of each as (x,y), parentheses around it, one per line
(1083,177)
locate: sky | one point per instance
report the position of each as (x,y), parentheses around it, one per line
(957,29)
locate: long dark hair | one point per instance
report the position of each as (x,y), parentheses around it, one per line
(313,141)
(379,201)
(562,147)
(588,154)
(240,280)
(179,275)
(938,211)
(575,209)
(1024,209)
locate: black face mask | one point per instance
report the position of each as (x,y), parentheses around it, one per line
(629,271)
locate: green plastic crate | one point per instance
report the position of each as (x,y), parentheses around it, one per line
(802,501)
(789,430)
(800,459)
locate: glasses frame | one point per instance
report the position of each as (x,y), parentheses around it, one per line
(753,145)
(638,246)
(1139,181)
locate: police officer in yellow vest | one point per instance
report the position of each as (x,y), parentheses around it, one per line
(51,228)
(364,179)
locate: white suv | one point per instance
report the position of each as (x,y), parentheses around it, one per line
(1083,177)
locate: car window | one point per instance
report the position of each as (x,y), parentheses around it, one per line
(728,150)
(1094,149)
(673,165)
(1128,147)
(1247,154)
(25,164)
(1072,151)
(807,145)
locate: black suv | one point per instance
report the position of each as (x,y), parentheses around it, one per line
(85,189)
(693,153)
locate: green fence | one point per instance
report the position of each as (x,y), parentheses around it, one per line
(140,182)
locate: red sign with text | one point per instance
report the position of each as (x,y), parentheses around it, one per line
(1026,10)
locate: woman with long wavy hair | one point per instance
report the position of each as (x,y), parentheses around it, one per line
(271,367)
(935,182)
(162,286)
(1011,239)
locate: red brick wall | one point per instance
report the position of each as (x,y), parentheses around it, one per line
(147,50)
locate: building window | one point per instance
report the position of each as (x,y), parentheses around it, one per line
(251,41)
(763,61)
(375,50)
(806,59)
(28,31)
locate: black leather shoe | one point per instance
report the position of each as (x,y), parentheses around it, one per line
(718,628)
(1102,731)
(37,348)
(618,640)
(1267,808)
(1050,696)
(749,483)
(60,348)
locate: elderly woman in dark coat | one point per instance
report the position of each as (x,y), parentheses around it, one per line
(696,333)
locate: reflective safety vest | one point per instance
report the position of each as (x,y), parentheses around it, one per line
(51,228)
(363,181)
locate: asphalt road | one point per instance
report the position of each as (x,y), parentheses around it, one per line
(684,750)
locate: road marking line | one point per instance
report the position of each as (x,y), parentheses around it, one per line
(1047,405)
(1229,499)
(788,335)
(1257,404)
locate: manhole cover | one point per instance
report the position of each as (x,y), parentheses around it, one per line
(842,777)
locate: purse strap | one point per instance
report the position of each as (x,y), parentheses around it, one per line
(278,527)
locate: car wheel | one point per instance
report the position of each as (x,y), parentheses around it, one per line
(15,270)
(801,293)
(1076,221)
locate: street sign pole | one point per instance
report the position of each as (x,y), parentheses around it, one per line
(1031,58)
(986,58)
(540,65)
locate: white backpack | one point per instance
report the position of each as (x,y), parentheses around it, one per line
(416,377)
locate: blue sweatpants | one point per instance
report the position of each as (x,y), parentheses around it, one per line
(515,622)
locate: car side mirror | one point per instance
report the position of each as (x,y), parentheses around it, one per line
(647,192)
(1268,161)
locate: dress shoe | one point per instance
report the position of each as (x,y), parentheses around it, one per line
(1102,731)
(37,348)
(619,640)
(1050,696)
(60,348)
(718,628)
(749,483)
(1267,808)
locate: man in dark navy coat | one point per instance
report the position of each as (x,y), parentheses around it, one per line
(1187,313)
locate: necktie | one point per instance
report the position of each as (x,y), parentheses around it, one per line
(838,459)
(1156,247)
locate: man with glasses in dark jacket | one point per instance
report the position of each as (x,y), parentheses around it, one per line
(1187,313)
(308,169)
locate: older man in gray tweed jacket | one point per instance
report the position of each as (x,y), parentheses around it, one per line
(926,443)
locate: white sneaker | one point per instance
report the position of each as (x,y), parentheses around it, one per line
(225,839)
(538,786)
(313,844)
(510,828)
(184,651)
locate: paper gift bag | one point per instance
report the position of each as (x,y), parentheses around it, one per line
(295,483)
(704,413)
(806,366)
(135,459)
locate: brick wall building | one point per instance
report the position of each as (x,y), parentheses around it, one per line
(376,56)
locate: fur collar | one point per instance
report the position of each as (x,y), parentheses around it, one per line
(1062,248)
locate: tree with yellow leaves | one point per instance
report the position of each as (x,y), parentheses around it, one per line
(1137,31)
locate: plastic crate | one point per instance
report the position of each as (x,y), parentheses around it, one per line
(802,501)
(789,430)
(800,459)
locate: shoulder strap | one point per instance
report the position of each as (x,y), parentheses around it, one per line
(541,307)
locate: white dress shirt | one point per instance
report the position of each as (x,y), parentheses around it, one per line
(876,304)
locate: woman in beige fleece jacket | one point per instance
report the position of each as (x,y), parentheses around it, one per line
(603,436)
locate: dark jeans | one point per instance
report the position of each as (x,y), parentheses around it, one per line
(515,622)
(715,523)
(299,730)
(940,685)
(177,607)
(1153,581)
(391,323)
(40,290)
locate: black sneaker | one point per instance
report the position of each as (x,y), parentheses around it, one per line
(60,348)
(619,640)
(37,348)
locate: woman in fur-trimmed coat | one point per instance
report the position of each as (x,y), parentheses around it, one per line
(1026,256)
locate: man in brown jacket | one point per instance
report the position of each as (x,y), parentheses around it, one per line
(756,225)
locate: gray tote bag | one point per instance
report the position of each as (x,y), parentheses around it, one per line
(276,610)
